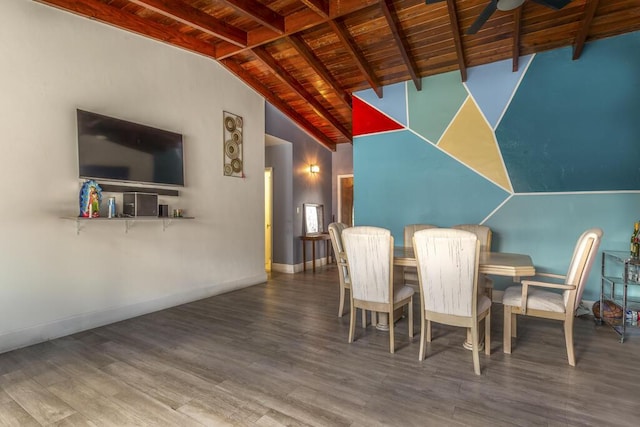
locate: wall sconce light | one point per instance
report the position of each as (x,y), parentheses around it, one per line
(313,169)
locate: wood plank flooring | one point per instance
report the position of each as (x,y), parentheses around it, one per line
(276,354)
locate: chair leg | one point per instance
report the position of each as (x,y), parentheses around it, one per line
(506,338)
(364,318)
(476,352)
(568,336)
(428,330)
(514,325)
(410,308)
(487,334)
(422,335)
(352,321)
(341,307)
(392,344)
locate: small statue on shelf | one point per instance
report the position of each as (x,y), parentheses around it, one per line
(90,198)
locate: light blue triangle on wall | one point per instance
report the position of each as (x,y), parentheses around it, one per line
(492,86)
(393,103)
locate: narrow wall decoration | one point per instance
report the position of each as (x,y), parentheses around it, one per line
(232,138)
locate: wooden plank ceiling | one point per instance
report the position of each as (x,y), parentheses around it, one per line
(307,57)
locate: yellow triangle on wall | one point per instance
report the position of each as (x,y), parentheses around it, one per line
(471,140)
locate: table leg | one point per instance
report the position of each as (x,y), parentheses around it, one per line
(313,252)
(304,256)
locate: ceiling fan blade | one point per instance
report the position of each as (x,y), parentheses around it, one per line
(484,16)
(553,4)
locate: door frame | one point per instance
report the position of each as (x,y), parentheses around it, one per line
(268,219)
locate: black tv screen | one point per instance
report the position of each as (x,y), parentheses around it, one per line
(118,150)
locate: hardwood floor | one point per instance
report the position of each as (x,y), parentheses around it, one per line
(277,354)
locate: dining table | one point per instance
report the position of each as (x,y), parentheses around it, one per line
(495,263)
(491,263)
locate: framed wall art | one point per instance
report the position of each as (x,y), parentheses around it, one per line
(232,139)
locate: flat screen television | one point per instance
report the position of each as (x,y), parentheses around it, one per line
(117,150)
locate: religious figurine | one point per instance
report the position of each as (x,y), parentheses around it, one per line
(90,198)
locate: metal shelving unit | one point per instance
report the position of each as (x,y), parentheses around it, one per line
(619,272)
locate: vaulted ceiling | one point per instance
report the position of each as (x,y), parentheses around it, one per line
(307,57)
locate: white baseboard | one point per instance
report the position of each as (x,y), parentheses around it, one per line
(82,322)
(297,268)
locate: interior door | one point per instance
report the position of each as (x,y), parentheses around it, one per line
(345,199)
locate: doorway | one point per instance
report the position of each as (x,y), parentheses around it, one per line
(345,199)
(268,218)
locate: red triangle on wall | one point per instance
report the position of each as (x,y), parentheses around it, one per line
(367,119)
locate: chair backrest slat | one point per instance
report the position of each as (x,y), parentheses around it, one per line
(335,232)
(481,231)
(369,253)
(409,231)
(448,270)
(582,260)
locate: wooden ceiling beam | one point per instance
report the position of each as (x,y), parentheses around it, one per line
(285,77)
(585,25)
(296,23)
(358,57)
(260,13)
(457,40)
(401,41)
(99,11)
(301,47)
(243,75)
(517,24)
(193,17)
(321,7)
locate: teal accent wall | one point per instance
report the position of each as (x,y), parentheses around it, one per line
(392,194)
(569,139)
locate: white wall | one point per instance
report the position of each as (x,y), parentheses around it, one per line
(54,282)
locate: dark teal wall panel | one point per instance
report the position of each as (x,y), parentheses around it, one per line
(401,179)
(575,125)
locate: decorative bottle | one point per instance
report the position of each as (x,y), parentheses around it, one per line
(635,243)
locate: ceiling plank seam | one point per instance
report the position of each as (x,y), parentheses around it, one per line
(357,56)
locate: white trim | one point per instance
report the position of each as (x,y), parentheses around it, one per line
(297,268)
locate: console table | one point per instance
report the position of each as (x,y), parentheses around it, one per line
(314,238)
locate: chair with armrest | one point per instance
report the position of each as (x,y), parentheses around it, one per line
(485,284)
(335,232)
(538,299)
(410,274)
(448,263)
(369,253)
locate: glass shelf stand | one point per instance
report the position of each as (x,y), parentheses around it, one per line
(619,272)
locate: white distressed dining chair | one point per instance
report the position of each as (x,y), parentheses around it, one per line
(484,236)
(448,262)
(410,274)
(335,232)
(542,299)
(369,252)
